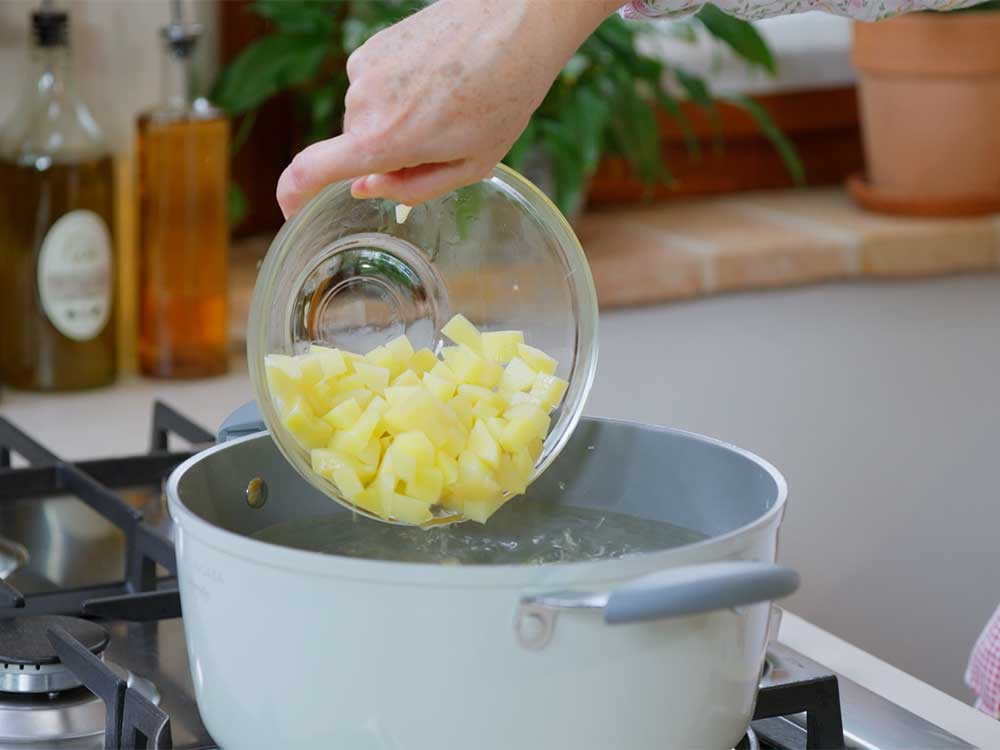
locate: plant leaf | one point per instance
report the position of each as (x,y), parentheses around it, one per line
(298,16)
(238,204)
(697,91)
(773,133)
(522,146)
(739,35)
(267,66)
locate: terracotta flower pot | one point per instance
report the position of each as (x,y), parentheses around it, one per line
(930,110)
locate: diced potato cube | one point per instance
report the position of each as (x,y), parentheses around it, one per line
(462,406)
(427,485)
(548,389)
(370,500)
(478,393)
(484,410)
(325,461)
(410,510)
(409,451)
(501,346)
(301,421)
(448,467)
(331,360)
(492,372)
(461,331)
(421,412)
(352,382)
(385,485)
(362,395)
(382,357)
(524,424)
(343,415)
(401,349)
(369,459)
(356,438)
(480,509)
(537,359)
(456,437)
(518,376)
(407,377)
(284,377)
(510,476)
(397,394)
(347,482)
(444,372)
(441,389)
(374,377)
(484,445)
(495,425)
(468,366)
(312,369)
(520,397)
(423,360)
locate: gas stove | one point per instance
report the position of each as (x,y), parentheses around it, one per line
(92,650)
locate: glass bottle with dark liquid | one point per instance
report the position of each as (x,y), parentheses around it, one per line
(57,311)
(183,159)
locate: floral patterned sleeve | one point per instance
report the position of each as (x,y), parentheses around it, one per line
(863,10)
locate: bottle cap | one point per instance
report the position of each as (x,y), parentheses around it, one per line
(49,27)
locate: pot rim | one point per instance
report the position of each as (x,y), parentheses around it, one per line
(507,576)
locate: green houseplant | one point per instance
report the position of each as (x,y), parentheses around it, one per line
(605,100)
(929,89)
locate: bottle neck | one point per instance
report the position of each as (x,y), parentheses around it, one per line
(51,72)
(177,86)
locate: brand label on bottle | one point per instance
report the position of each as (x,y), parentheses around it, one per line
(74,275)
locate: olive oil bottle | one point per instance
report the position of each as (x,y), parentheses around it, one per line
(57,307)
(183,161)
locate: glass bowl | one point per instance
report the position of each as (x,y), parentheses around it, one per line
(346,273)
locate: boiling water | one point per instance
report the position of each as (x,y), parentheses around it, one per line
(530,533)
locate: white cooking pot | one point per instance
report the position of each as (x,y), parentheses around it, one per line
(294,649)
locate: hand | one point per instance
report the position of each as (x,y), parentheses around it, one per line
(438,99)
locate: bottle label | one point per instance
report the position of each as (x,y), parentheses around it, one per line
(74,275)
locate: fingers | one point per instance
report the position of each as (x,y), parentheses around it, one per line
(415,185)
(315,167)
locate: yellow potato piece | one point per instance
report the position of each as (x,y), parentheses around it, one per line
(461,331)
(399,431)
(548,390)
(423,360)
(441,388)
(343,415)
(301,421)
(484,445)
(501,346)
(401,349)
(407,377)
(537,359)
(518,376)
(331,361)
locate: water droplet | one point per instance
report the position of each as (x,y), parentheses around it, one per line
(516,287)
(562,485)
(591,447)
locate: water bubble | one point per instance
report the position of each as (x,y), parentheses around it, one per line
(562,486)
(591,447)
(516,287)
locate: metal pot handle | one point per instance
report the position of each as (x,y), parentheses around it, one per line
(675,592)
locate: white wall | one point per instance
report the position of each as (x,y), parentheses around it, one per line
(116,50)
(880,403)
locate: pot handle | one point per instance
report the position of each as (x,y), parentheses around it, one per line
(687,590)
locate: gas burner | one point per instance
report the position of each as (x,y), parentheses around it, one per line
(28,661)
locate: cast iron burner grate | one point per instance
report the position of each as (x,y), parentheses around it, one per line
(792,686)
(43,630)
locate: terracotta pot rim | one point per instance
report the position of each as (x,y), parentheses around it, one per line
(880,200)
(930,44)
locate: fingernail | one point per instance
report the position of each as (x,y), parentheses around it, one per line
(359,189)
